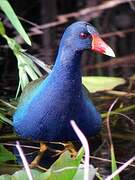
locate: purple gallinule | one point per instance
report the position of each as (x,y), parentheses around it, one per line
(45,113)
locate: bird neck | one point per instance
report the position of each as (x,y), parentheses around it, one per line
(68,61)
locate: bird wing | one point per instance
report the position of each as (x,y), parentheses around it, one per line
(29,90)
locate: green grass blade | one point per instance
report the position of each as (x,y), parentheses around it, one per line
(5,120)
(28,66)
(114,165)
(18,90)
(23,78)
(31,73)
(2,29)
(8,10)
(31,64)
(14,46)
(38,62)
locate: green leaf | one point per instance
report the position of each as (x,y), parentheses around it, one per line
(21,175)
(101,83)
(12,44)
(2,29)
(40,63)
(23,78)
(5,155)
(5,177)
(31,72)
(26,67)
(30,62)
(80,173)
(25,64)
(65,167)
(8,10)
(114,165)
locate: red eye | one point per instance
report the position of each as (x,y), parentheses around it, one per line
(83,36)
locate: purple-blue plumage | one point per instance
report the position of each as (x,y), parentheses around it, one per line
(46,113)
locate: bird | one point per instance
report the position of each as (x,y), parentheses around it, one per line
(45,113)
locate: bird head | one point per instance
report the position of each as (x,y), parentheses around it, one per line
(81,35)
